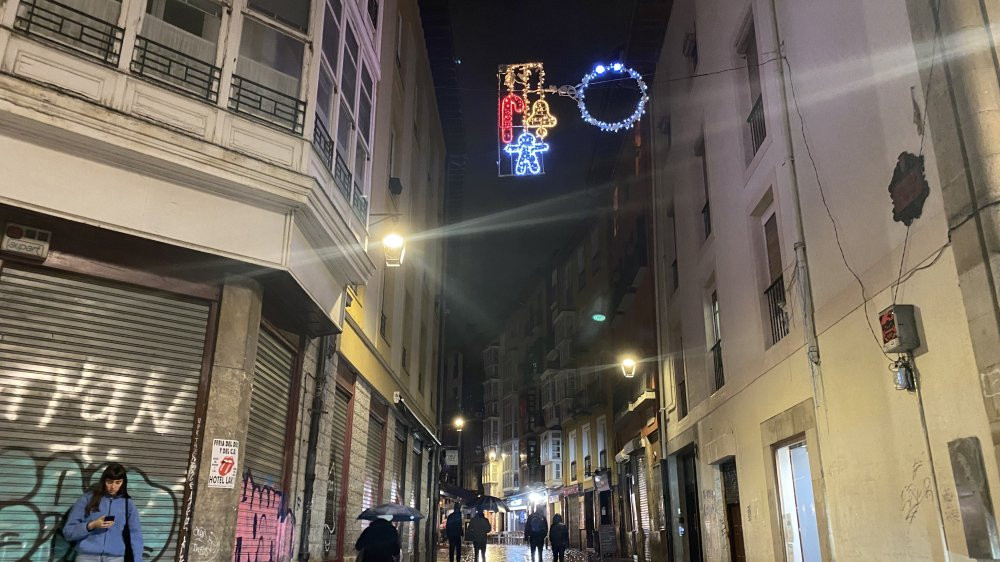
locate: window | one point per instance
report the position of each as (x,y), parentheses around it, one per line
(716,338)
(373,13)
(572,455)
(755,129)
(706,210)
(602,442)
(680,378)
(797,508)
(774,295)
(294,13)
(585,449)
(270,58)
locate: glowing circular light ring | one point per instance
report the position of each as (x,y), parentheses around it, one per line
(600,70)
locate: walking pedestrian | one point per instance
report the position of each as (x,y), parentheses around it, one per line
(535,530)
(453,529)
(379,542)
(104,523)
(478,530)
(558,539)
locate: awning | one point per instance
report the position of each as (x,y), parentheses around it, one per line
(630,446)
(457,493)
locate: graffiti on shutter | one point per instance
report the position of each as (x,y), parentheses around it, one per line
(338,441)
(93,372)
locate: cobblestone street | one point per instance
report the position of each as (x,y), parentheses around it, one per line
(509,553)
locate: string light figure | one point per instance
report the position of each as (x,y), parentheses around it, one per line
(509,105)
(521,91)
(528,150)
(599,71)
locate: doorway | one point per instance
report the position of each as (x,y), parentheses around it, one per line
(734,518)
(689,522)
(795,494)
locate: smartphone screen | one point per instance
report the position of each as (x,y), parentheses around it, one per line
(109,518)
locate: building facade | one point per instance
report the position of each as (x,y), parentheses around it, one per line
(190,194)
(817,167)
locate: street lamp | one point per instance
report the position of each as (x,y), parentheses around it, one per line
(394,246)
(493,455)
(628,367)
(459,423)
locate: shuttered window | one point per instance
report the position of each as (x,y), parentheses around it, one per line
(644,519)
(93,372)
(398,465)
(415,488)
(373,463)
(338,443)
(272,381)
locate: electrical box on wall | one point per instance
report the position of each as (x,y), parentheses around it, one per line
(899,329)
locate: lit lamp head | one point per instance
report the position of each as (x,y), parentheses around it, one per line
(535,497)
(493,455)
(394,246)
(459,422)
(628,367)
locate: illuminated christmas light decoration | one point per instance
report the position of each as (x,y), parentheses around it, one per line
(527,149)
(509,105)
(540,120)
(600,70)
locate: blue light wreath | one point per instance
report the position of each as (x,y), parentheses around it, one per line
(600,70)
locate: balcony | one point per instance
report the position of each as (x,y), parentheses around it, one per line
(79,31)
(720,375)
(572,471)
(627,275)
(587,469)
(359,202)
(755,121)
(176,70)
(323,144)
(775,298)
(268,105)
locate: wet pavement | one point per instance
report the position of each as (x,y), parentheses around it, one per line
(510,553)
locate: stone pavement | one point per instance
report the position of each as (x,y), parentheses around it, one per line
(509,553)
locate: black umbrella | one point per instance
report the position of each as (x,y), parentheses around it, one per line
(396,511)
(488,503)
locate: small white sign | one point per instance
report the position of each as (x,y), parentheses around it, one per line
(225,454)
(26,241)
(451,457)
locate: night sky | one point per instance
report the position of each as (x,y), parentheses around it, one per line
(511,226)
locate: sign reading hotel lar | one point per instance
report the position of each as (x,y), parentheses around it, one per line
(225,453)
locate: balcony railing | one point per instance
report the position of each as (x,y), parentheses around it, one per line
(775,295)
(71,28)
(572,471)
(720,375)
(758,130)
(268,105)
(323,143)
(342,177)
(586,465)
(360,203)
(175,69)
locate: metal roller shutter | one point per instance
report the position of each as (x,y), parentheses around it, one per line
(272,380)
(93,372)
(398,462)
(338,441)
(640,464)
(373,462)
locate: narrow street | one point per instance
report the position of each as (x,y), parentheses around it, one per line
(509,553)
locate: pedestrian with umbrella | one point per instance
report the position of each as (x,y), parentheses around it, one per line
(453,529)
(478,529)
(488,503)
(380,541)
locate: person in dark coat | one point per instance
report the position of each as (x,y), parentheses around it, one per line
(478,531)
(379,542)
(536,528)
(453,529)
(558,538)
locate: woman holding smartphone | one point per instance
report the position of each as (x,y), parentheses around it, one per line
(97,522)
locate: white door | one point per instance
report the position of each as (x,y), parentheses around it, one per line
(798,510)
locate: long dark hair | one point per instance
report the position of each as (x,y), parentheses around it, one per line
(114,471)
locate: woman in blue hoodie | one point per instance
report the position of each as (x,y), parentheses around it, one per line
(96,523)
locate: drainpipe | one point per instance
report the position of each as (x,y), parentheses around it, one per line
(661,353)
(315,417)
(801,259)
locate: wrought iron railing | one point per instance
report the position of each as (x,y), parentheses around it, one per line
(71,28)
(775,295)
(706,217)
(360,203)
(268,105)
(720,375)
(342,177)
(758,130)
(586,465)
(175,69)
(323,143)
